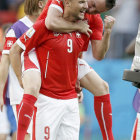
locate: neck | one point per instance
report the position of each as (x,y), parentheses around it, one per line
(67,16)
(33,18)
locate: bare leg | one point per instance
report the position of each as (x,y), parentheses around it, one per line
(31,84)
(102,106)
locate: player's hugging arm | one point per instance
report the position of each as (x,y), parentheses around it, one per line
(100,47)
(55,22)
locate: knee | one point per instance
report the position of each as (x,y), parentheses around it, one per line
(104,87)
(32,88)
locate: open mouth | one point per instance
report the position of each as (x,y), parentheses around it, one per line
(83,11)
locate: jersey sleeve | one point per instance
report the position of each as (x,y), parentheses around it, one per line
(58,4)
(96,25)
(10,39)
(33,37)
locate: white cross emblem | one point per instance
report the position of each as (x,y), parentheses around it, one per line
(78,35)
(9,43)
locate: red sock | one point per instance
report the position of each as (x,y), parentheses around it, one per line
(134,132)
(26,108)
(103,112)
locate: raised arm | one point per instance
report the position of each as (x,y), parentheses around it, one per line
(100,47)
(54,21)
(4,68)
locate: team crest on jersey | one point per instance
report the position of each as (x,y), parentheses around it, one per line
(30,32)
(78,35)
(9,43)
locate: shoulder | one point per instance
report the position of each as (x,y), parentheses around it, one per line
(20,27)
(95,18)
(40,25)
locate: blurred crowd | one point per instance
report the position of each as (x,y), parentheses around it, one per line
(10,10)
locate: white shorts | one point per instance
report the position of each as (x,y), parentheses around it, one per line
(57,119)
(4,122)
(83,68)
(31,63)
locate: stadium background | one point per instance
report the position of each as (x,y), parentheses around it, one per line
(110,69)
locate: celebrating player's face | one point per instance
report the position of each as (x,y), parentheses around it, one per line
(96,6)
(78,8)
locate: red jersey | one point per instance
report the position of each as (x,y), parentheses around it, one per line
(95,21)
(57,55)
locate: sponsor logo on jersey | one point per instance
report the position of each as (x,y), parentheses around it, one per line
(26,115)
(30,32)
(9,43)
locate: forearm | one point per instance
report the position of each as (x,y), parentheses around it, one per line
(100,47)
(60,25)
(15,59)
(57,23)
(105,43)
(4,69)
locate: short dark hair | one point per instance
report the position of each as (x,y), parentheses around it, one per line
(110,4)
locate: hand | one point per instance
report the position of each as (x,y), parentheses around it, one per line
(78,89)
(80,97)
(109,22)
(84,28)
(1,103)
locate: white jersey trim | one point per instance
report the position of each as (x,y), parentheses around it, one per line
(57,7)
(26,21)
(11,33)
(21,44)
(5,52)
(47,63)
(102,106)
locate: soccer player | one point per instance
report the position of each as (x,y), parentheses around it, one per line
(89,79)
(4,123)
(104,87)
(32,11)
(57,106)
(29,35)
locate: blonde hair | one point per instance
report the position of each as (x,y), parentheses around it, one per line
(31,6)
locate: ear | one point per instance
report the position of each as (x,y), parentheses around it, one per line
(40,4)
(67,3)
